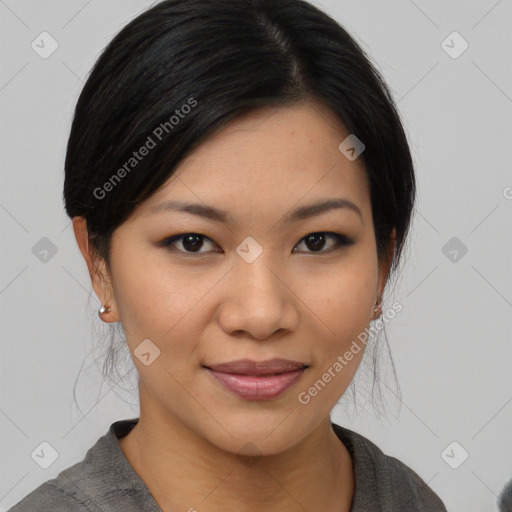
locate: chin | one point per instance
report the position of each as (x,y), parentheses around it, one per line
(267,435)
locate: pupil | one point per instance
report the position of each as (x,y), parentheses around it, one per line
(192,242)
(318,240)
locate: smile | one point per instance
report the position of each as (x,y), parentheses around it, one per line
(257,380)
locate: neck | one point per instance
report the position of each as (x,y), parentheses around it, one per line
(186,472)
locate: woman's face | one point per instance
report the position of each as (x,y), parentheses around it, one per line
(252,286)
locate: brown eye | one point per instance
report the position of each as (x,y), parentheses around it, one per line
(191,243)
(316,242)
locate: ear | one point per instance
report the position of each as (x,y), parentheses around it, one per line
(98,272)
(385,265)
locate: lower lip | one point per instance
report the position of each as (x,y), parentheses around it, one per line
(252,387)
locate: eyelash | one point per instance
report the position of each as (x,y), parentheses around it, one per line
(341,241)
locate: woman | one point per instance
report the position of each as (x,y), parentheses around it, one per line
(241,189)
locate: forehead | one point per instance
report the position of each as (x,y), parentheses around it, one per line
(269,158)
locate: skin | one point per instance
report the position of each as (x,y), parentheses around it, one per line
(293,301)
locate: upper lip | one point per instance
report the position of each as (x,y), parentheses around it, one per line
(249,367)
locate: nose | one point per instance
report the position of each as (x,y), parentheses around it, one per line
(258,302)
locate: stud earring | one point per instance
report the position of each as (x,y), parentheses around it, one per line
(104,309)
(378,304)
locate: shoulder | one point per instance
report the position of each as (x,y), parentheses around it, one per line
(101,480)
(384,480)
(55,495)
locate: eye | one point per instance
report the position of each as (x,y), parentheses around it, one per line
(316,241)
(194,242)
(191,242)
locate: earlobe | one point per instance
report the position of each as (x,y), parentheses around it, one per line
(81,235)
(82,239)
(97,273)
(390,253)
(384,269)
(391,250)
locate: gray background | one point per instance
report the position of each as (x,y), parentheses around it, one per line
(451,343)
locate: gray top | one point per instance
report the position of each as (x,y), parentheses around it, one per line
(105,481)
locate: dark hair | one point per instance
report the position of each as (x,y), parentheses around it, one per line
(184,69)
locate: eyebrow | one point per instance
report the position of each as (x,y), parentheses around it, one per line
(218,215)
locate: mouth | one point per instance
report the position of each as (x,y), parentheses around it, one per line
(254,380)
(255,368)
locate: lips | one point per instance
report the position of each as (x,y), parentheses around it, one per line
(252,380)
(249,367)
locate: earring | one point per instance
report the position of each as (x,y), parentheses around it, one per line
(378,304)
(103,309)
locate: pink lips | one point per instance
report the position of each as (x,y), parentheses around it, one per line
(254,380)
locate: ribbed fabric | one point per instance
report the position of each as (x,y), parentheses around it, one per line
(104,481)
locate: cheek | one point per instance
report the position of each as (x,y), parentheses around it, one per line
(344,298)
(351,309)
(345,314)
(345,306)
(156,301)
